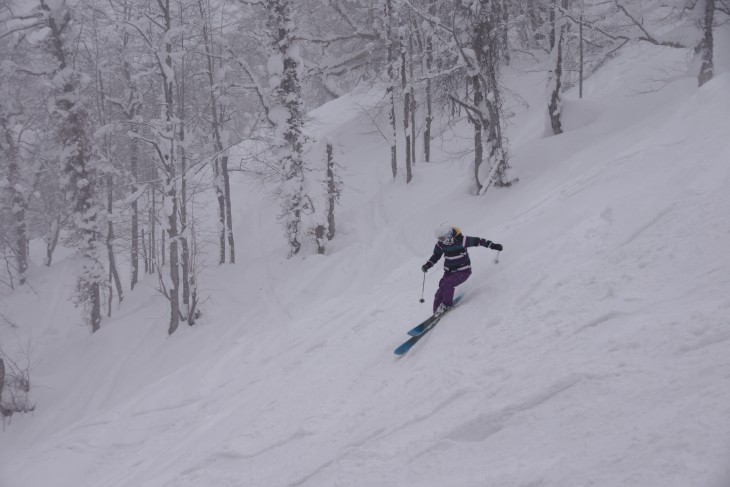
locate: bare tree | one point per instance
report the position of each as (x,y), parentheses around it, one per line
(391,84)
(701,17)
(130,103)
(429,82)
(15,383)
(220,157)
(406,96)
(555,75)
(477,38)
(159,39)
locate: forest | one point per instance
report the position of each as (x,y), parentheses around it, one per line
(120,119)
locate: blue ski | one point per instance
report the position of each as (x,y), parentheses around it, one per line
(418,330)
(421,331)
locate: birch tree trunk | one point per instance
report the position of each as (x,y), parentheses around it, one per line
(113,274)
(555,76)
(412,111)
(478,127)
(229,213)
(429,99)
(217,146)
(580,56)
(152,222)
(406,100)
(391,86)
(164,142)
(52,236)
(185,260)
(132,105)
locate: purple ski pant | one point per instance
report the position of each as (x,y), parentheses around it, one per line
(447,284)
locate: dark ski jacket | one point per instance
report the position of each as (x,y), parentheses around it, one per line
(456,258)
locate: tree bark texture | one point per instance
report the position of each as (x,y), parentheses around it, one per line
(406,103)
(391,86)
(706,47)
(18,202)
(288,95)
(555,78)
(332,193)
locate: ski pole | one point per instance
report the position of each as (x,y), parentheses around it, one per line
(496,259)
(423,288)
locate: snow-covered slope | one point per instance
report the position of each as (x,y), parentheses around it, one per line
(596,352)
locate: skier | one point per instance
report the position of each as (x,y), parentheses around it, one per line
(457,266)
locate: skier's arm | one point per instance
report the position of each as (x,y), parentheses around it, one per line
(437,253)
(476,241)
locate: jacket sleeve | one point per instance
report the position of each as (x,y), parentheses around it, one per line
(437,253)
(476,242)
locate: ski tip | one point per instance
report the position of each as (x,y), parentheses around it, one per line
(400,351)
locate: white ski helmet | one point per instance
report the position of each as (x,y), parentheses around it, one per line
(446,233)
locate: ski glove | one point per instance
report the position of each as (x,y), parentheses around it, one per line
(425,267)
(496,246)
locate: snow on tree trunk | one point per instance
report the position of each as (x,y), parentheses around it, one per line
(504,29)
(220,160)
(52,236)
(478,145)
(113,274)
(16,201)
(132,105)
(555,75)
(580,56)
(164,133)
(185,250)
(429,95)
(287,115)
(392,81)
(413,103)
(229,211)
(406,100)
(133,158)
(152,221)
(478,40)
(76,156)
(334,189)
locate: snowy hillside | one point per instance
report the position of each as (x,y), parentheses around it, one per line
(596,352)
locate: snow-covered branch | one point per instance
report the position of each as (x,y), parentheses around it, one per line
(646,35)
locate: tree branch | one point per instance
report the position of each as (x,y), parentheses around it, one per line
(259,90)
(647,36)
(468,107)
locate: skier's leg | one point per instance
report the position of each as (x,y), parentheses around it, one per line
(439,296)
(449,283)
